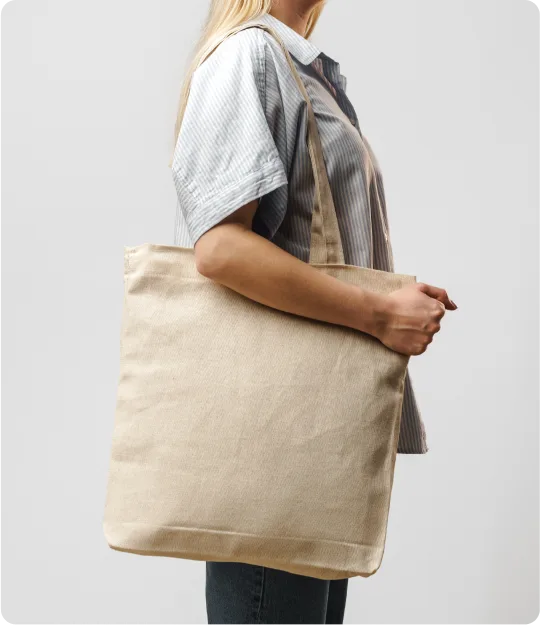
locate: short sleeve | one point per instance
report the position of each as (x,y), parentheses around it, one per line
(226,155)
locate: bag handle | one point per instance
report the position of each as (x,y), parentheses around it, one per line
(326,246)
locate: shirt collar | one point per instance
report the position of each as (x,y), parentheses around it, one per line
(305,51)
(302,49)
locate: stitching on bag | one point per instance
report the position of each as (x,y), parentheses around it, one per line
(210,531)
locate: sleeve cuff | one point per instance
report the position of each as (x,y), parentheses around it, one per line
(203,212)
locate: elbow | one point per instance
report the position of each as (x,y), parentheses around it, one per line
(213,253)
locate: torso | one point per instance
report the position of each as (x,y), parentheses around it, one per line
(284,214)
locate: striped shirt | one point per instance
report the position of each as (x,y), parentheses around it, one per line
(240,140)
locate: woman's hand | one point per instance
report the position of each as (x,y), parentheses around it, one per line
(411,317)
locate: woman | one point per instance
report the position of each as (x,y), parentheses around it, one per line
(245,188)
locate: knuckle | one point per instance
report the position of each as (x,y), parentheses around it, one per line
(438,310)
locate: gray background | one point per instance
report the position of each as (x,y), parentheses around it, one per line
(89,95)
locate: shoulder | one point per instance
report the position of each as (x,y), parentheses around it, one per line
(241,53)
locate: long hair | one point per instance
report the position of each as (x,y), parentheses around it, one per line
(222,16)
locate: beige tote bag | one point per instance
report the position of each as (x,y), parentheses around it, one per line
(246,434)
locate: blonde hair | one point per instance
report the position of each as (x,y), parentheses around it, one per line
(222,16)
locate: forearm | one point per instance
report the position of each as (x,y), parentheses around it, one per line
(253,266)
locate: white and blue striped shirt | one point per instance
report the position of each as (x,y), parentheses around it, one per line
(240,140)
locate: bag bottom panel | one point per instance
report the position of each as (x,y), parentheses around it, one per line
(322,559)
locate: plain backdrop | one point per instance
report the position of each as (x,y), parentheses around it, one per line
(447,93)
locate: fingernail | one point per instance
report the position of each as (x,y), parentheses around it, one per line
(453,303)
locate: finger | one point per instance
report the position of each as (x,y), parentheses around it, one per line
(439,294)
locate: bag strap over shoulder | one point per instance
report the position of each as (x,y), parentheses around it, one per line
(326,246)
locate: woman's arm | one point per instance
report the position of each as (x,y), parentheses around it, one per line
(233,255)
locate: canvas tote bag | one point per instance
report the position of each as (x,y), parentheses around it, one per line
(247,434)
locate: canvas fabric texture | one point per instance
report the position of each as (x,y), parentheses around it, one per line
(204,464)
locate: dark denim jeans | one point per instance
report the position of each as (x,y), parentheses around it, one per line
(245,593)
